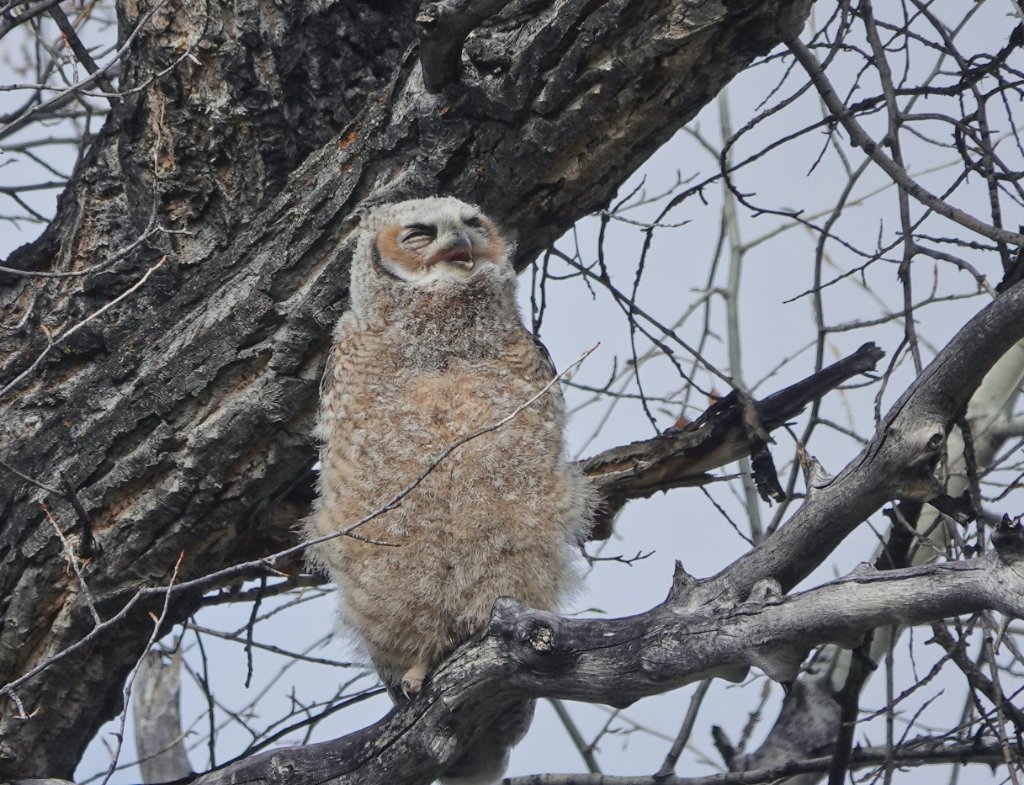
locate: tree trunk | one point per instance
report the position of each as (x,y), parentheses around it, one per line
(219,198)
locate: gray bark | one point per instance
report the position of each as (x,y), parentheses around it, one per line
(156,718)
(809,720)
(904,460)
(178,420)
(526,653)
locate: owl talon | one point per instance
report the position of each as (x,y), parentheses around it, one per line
(412,681)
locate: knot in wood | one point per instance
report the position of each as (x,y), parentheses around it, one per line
(537,638)
(282,766)
(864,570)
(765,591)
(537,630)
(542,639)
(428,16)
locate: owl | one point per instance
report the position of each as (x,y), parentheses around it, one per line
(432,351)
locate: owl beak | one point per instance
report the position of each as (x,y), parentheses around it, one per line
(459,253)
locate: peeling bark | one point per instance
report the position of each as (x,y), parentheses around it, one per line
(681,456)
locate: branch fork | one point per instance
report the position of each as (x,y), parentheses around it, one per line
(525,654)
(442,28)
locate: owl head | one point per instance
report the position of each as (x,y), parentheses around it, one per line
(436,251)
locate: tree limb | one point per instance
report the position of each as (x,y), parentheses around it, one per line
(681,456)
(901,462)
(529,654)
(442,29)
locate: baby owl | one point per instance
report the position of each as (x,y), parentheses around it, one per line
(432,350)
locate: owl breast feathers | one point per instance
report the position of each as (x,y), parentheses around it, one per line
(433,350)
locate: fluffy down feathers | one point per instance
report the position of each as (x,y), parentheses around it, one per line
(432,350)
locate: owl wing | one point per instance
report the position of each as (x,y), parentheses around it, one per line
(549,364)
(329,368)
(331,383)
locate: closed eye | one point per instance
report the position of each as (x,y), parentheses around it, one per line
(418,234)
(474,221)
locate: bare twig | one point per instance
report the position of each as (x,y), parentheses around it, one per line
(72,330)
(861,138)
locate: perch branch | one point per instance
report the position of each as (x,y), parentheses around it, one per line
(682,456)
(528,654)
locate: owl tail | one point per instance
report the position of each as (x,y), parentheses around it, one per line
(484,763)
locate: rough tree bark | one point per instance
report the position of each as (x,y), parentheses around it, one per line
(247,136)
(810,722)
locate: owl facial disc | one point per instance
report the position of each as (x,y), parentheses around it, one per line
(435,242)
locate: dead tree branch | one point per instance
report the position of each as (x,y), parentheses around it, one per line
(526,654)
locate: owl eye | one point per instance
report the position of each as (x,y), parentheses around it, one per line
(474,221)
(418,235)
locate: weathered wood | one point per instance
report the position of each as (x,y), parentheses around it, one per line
(904,460)
(682,456)
(156,719)
(526,653)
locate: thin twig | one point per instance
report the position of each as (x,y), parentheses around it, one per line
(68,333)
(861,138)
(69,554)
(585,750)
(668,766)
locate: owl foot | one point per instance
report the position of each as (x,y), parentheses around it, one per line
(412,681)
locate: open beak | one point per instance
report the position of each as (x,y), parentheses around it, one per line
(459,253)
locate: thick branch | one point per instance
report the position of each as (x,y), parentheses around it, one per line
(526,654)
(681,456)
(442,29)
(901,462)
(912,753)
